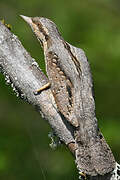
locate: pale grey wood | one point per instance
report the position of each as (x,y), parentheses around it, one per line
(23,74)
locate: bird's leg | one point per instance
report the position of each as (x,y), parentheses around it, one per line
(44,87)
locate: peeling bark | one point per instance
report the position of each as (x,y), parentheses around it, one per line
(24,75)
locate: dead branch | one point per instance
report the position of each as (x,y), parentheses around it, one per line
(24,75)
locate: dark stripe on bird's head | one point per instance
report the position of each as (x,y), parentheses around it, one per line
(41,29)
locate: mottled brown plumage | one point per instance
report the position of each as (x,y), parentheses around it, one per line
(70,78)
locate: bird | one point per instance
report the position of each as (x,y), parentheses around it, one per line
(71,84)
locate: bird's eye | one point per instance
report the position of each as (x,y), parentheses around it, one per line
(37,23)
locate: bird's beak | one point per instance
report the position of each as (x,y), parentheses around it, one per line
(27,19)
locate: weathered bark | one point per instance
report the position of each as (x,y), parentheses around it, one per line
(25,76)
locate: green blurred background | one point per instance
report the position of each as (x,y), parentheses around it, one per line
(93,25)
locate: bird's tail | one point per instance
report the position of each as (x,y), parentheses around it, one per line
(95,157)
(101,156)
(83,160)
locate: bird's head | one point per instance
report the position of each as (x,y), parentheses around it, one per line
(43,28)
